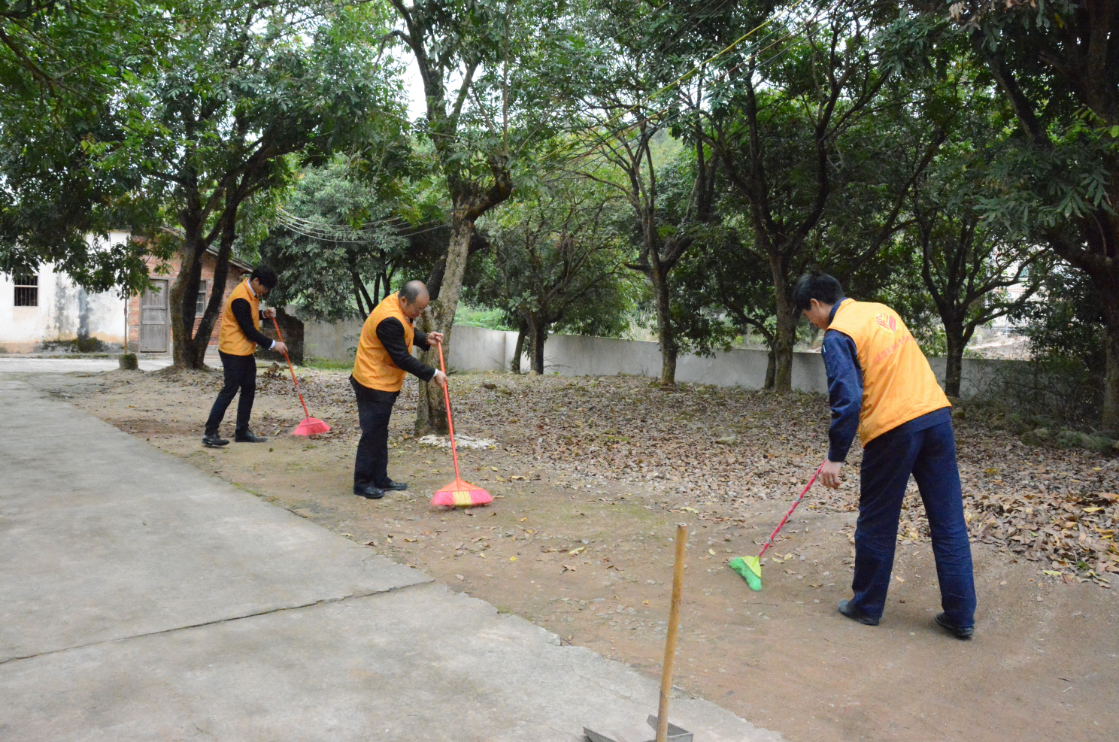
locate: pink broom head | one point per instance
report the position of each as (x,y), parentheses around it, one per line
(311,426)
(460,494)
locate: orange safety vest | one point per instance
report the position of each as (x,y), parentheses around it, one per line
(898,383)
(373,367)
(232,340)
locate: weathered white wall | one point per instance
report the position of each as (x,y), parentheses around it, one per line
(64,309)
(976,374)
(335,341)
(471,348)
(478,349)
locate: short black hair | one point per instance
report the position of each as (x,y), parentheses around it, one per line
(819,286)
(265,275)
(412,290)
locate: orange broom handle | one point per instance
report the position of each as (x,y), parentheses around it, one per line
(291,368)
(447,399)
(769,541)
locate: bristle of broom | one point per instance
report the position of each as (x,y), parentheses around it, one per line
(311,426)
(750,570)
(460,494)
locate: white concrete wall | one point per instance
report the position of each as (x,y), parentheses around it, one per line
(478,349)
(571,355)
(471,348)
(335,341)
(63,309)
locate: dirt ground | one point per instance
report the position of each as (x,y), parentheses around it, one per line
(578,540)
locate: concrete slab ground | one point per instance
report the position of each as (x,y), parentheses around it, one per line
(142,599)
(17,364)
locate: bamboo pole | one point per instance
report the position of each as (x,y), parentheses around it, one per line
(673,630)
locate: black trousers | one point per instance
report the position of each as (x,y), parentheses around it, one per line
(240,375)
(374,408)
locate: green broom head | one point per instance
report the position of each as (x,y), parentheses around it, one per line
(750,569)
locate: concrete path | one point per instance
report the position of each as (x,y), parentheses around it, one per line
(31,365)
(141,599)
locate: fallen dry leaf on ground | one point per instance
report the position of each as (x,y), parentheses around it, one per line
(1053,506)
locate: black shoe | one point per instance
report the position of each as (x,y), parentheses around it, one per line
(395,486)
(369,492)
(854,615)
(213,440)
(249,437)
(960,632)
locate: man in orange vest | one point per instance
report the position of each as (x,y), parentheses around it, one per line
(240,334)
(880,385)
(384,357)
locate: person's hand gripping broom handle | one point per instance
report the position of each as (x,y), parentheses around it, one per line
(447,400)
(769,541)
(291,368)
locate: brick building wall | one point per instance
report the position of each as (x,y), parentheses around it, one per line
(237,273)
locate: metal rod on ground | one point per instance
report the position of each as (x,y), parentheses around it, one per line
(673,629)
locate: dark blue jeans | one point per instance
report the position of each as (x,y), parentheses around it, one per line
(240,375)
(374,408)
(930,455)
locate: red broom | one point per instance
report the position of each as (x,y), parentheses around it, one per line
(458,493)
(309,426)
(750,567)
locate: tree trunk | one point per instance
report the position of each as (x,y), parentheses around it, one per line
(665,333)
(188,345)
(357,295)
(183,300)
(201,340)
(1109,418)
(431,410)
(365,303)
(435,277)
(539,337)
(519,349)
(1101,235)
(786,332)
(770,368)
(954,358)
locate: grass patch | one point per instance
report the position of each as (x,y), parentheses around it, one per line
(326,364)
(491,319)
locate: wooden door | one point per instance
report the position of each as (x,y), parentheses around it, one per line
(155,318)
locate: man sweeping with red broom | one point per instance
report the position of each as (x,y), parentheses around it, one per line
(881,385)
(384,357)
(237,341)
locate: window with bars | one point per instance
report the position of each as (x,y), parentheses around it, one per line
(200,306)
(27,290)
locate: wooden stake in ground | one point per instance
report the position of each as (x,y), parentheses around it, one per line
(673,629)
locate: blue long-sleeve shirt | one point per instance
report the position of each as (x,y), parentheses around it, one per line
(845,389)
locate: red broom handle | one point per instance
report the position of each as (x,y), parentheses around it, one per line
(447,399)
(291,368)
(769,541)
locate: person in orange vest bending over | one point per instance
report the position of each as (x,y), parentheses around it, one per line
(880,384)
(384,357)
(240,334)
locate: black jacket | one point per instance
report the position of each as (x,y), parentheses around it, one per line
(243,313)
(391,334)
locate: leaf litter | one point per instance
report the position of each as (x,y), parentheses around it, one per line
(725,450)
